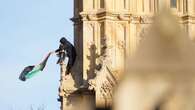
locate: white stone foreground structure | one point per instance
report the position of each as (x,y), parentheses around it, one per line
(106,33)
(161,74)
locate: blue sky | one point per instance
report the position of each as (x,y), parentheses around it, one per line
(28,30)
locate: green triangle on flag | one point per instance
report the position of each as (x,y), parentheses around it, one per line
(31,71)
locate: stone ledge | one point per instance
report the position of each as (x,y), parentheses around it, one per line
(100,15)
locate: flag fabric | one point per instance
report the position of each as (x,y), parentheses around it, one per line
(32,70)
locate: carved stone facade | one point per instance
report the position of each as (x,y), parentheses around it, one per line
(105,32)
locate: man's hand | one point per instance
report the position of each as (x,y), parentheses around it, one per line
(52,52)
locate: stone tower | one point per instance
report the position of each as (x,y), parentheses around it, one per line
(105,32)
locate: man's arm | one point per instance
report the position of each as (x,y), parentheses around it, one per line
(61,47)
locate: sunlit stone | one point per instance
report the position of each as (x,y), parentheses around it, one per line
(161,74)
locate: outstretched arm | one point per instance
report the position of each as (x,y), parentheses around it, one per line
(61,47)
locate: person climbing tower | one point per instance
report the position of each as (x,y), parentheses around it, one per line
(66,49)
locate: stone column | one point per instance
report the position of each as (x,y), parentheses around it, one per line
(61,88)
(191,7)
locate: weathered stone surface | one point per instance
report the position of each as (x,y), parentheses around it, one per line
(106,32)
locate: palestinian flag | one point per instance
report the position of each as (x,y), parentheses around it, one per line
(30,71)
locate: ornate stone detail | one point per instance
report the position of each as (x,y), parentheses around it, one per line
(104,81)
(136,19)
(147,19)
(62,73)
(121,44)
(142,19)
(124,17)
(125,28)
(186,19)
(108,83)
(102,15)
